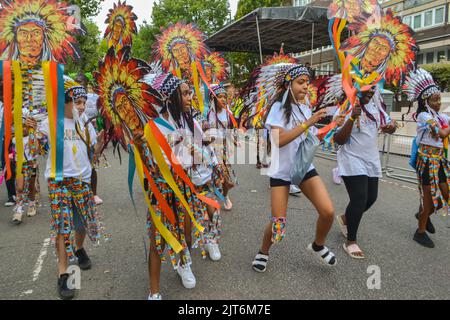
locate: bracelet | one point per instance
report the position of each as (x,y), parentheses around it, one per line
(351,119)
(304,126)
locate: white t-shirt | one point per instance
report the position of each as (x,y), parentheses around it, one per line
(76,161)
(424,131)
(282,159)
(91,110)
(360,155)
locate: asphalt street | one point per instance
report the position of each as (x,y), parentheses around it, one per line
(408,271)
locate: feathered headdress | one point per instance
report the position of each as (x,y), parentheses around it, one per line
(57,20)
(186,34)
(419,84)
(123,13)
(218,66)
(121,74)
(334,91)
(270,82)
(361,8)
(277,58)
(403,47)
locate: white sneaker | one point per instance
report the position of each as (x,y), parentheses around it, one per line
(17,216)
(31,209)
(187,277)
(213,251)
(336,177)
(98,201)
(9,203)
(156,296)
(293,189)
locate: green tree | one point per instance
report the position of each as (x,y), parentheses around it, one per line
(89,8)
(210,16)
(441,74)
(91,50)
(244,63)
(142,42)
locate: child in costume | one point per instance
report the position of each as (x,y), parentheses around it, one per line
(289,122)
(73,211)
(433,129)
(219,125)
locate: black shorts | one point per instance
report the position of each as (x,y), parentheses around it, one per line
(426,175)
(282,183)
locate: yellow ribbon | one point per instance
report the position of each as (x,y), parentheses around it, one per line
(197,87)
(165,233)
(18,122)
(167,175)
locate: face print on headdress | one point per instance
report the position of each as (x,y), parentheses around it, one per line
(39,30)
(353,10)
(121,25)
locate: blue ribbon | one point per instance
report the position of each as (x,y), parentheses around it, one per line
(164,123)
(60,125)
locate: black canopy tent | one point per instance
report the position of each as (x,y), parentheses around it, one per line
(265,30)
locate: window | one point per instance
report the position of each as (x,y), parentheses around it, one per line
(300,3)
(430,57)
(428,18)
(407,20)
(441,56)
(420,59)
(417,22)
(439,15)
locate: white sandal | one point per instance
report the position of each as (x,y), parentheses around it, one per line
(342,225)
(325,255)
(352,249)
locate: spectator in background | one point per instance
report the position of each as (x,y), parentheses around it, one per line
(312,71)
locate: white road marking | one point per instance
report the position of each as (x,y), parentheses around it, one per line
(38,266)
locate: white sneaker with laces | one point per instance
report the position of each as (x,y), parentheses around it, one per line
(213,251)
(98,201)
(187,277)
(293,189)
(155,297)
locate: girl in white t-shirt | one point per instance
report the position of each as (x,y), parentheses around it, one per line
(359,163)
(433,129)
(73,211)
(289,121)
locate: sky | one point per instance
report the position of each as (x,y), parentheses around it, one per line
(142,8)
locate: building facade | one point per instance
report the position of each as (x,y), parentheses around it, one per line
(428,18)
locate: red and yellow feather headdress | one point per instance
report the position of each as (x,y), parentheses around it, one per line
(400,36)
(58,20)
(218,66)
(119,73)
(124,13)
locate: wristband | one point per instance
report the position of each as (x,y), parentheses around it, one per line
(351,119)
(304,126)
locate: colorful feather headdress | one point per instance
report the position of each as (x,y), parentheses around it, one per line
(402,46)
(269,84)
(57,20)
(119,74)
(359,9)
(420,84)
(124,14)
(218,66)
(188,35)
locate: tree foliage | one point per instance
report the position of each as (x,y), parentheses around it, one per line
(91,50)
(441,74)
(89,8)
